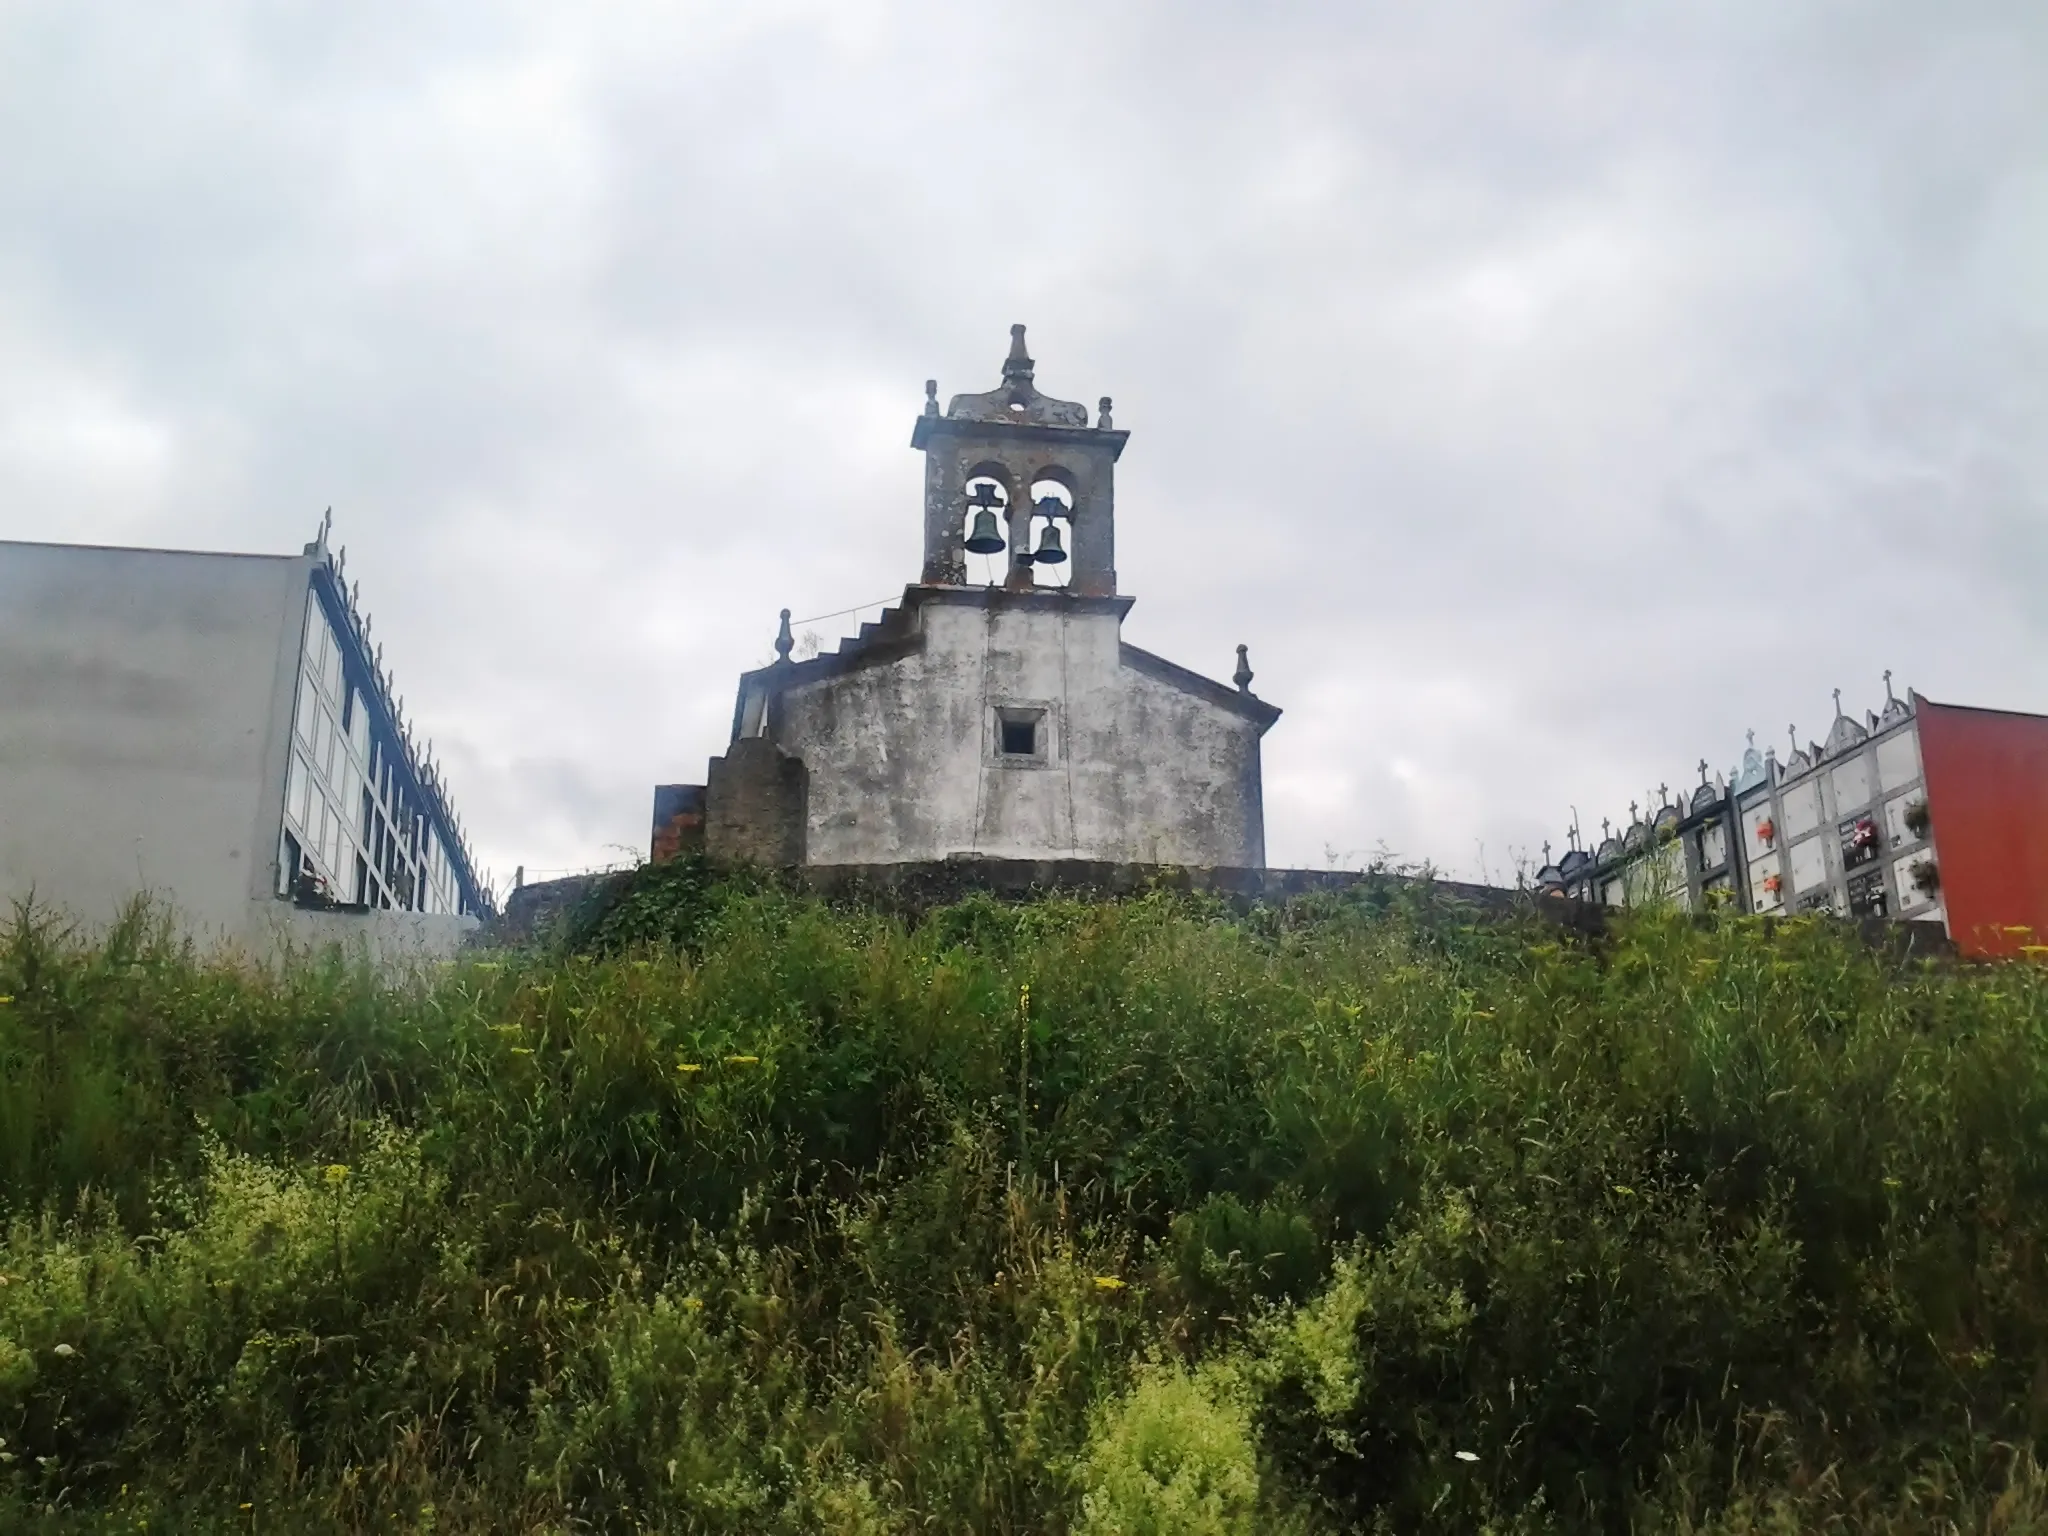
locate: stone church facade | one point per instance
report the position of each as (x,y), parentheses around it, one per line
(1002,718)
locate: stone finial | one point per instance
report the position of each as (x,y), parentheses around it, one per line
(1838,703)
(1888,696)
(1018,364)
(785,642)
(1793,732)
(1243,676)
(1103,423)
(931,397)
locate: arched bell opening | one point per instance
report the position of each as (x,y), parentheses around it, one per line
(985,525)
(1052,532)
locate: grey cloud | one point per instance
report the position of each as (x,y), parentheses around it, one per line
(1544,393)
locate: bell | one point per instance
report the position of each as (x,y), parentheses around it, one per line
(983,539)
(1049,551)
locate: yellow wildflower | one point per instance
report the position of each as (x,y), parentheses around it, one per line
(742,1061)
(6,998)
(689,1066)
(336,1173)
(522,1050)
(1108,1283)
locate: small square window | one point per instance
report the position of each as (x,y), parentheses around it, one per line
(1023,735)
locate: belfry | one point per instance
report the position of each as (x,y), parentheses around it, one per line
(1004,716)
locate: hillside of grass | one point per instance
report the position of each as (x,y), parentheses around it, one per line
(730,1211)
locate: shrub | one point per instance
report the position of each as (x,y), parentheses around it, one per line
(744,1213)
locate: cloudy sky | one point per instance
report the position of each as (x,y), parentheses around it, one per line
(1544,393)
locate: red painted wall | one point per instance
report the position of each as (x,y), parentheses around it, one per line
(1987,797)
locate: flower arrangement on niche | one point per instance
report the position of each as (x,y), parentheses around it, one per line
(1916,818)
(1767,831)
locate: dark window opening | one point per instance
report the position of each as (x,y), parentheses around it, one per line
(1020,738)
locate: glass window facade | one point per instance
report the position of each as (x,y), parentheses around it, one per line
(356,825)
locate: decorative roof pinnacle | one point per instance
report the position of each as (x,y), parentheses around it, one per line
(784,641)
(931,397)
(1243,676)
(1017,367)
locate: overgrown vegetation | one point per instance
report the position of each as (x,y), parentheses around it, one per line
(739,1213)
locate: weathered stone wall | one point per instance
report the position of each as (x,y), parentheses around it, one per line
(910,890)
(755,799)
(905,758)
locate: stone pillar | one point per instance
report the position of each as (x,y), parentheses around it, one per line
(1094,524)
(756,802)
(945,501)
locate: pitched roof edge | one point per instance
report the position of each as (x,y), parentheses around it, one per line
(780,676)
(1252,708)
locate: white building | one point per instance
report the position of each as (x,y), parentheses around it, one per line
(1006,718)
(1843,827)
(214,730)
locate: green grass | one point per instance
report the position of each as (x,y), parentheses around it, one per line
(735,1212)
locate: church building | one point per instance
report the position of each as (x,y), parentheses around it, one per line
(1005,717)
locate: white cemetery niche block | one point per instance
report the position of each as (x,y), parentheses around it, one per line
(1762,872)
(1897,833)
(1669,873)
(1898,759)
(1757,817)
(1911,897)
(1851,782)
(1713,846)
(1802,810)
(1809,865)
